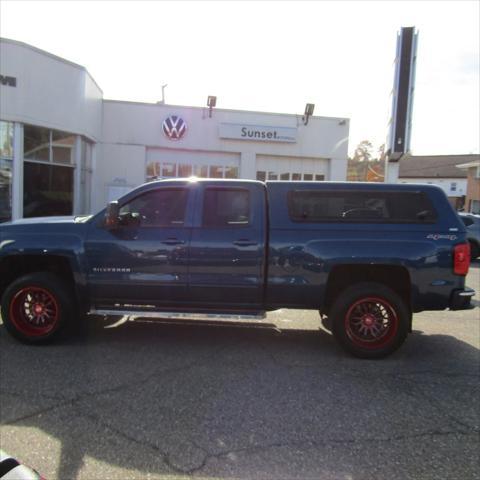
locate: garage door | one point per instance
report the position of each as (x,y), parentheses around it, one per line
(165,163)
(271,167)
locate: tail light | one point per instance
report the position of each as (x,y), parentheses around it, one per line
(461,258)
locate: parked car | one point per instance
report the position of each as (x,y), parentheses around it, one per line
(472,223)
(367,256)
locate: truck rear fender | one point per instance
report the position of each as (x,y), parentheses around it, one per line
(395,277)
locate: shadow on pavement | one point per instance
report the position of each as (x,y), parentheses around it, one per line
(240,403)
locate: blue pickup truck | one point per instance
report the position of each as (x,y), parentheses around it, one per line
(366,256)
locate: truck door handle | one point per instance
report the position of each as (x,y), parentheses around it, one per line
(244,242)
(173,241)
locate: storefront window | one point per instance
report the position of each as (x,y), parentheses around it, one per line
(216,171)
(6,161)
(158,170)
(231,172)
(200,171)
(169,170)
(48,190)
(62,147)
(36,143)
(284,176)
(43,145)
(153,171)
(85,177)
(48,172)
(6,140)
(184,170)
(262,176)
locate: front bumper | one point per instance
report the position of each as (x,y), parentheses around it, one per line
(460,299)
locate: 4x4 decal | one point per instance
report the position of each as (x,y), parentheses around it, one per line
(439,236)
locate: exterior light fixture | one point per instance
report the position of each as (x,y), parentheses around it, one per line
(211,102)
(309,108)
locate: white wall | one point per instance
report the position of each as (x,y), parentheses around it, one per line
(321,146)
(141,124)
(121,170)
(50,92)
(444,183)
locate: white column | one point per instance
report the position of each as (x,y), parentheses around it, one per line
(93,167)
(338,170)
(17,172)
(77,177)
(391,171)
(248,161)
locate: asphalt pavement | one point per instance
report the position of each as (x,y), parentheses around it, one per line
(147,401)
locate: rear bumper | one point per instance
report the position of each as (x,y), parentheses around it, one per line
(460,299)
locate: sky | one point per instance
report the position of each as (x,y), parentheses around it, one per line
(275,56)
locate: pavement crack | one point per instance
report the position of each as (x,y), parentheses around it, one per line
(39,412)
(144,443)
(334,442)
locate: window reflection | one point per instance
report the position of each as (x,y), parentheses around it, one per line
(169,170)
(231,172)
(5,190)
(184,170)
(6,157)
(216,171)
(6,140)
(159,170)
(200,171)
(36,143)
(48,172)
(48,190)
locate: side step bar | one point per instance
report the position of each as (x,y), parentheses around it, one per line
(257,317)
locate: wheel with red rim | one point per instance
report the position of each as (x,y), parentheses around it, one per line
(370,320)
(36,307)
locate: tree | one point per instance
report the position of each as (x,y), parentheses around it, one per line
(363,152)
(365,165)
(381,153)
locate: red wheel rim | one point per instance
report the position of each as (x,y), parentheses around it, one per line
(34,311)
(371,322)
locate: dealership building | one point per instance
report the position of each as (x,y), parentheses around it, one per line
(64,149)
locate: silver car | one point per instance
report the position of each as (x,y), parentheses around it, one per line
(472,222)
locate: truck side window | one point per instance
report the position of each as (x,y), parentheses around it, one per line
(226,207)
(360,206)
(159,208)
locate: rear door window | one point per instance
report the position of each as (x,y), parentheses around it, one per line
(226,207)
(360,206)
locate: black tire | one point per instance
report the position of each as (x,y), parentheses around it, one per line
(370,320)
(474,250)
(37,308)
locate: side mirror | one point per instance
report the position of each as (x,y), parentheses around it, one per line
(112,215)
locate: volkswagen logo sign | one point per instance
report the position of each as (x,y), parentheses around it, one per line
(174,127)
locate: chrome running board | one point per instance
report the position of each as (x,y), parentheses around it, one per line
(258,317)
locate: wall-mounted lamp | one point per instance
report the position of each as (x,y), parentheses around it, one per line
(309,108)
(211,102)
